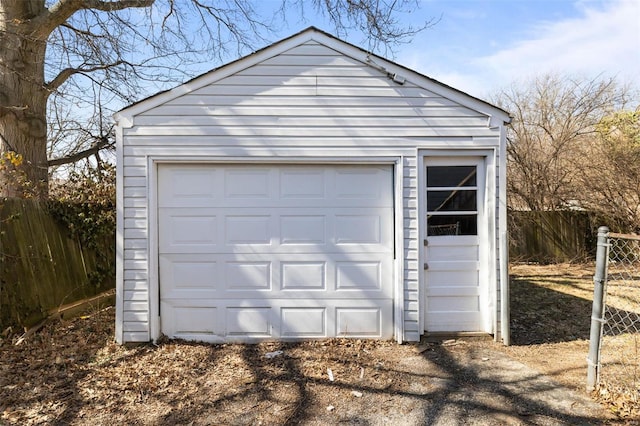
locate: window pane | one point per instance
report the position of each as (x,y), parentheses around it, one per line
(451,176)
(458,200)
(452,225)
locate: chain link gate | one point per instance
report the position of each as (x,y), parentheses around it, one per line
(614,346)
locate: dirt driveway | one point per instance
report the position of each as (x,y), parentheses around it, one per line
(71,372)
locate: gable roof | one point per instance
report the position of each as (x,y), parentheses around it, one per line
(124,117)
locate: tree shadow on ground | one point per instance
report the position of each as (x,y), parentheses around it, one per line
(439,386)
(541,315)
(497,391)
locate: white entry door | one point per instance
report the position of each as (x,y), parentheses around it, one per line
(275,251)
(455,273)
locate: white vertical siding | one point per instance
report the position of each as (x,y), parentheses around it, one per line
(412,326)
(309,101)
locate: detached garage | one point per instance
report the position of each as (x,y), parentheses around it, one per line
(311,190)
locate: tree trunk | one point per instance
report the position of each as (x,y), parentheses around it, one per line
(23,101)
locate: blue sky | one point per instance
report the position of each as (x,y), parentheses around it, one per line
(479,46)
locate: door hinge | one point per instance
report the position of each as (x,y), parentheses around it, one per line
(426,266)
(426,243)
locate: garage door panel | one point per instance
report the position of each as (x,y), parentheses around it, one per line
(196,185)
(251,322)
(358,275)
(248,183)
(362,275)
(248,229)
(249,275)
(359,229)
(204,322)
(274,186)
(304,322)
(195,320)
(246,320)
(188,230)
(275,251)
(303,229)
(192,230)
(359,322)
(189,272)
(303,275)
(363,184)
(302,184)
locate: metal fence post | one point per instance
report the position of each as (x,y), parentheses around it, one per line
(597,312)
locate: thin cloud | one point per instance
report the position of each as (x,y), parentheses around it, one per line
(601,41)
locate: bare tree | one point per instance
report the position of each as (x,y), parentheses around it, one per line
(79,140)
(611,175)
(66,50)
(554,119)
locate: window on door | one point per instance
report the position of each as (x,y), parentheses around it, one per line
(452,200)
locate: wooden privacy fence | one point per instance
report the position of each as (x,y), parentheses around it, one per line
(551,236)
(43,266)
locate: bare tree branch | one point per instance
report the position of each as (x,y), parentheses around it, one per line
(68,72)
(100,144)
(59,12)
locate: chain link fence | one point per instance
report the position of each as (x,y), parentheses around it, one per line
(614,356)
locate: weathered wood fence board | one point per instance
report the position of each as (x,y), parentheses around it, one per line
(42,266)
(551,236)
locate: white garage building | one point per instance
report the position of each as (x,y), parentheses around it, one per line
(311,190)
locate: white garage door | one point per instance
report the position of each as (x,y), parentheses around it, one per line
(275,251)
